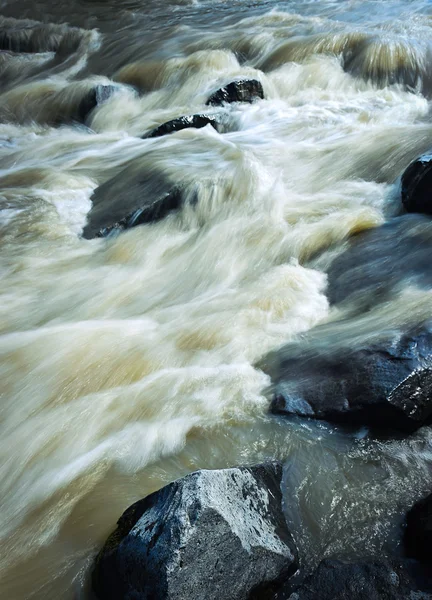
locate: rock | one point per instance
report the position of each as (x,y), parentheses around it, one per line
(213,534)
(191,121)
(366,580)
(373,265)
(417,185)
(418,533)
(242,90)
(386,384)
(97,96)
(137,195)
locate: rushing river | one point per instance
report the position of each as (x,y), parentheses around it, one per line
(129,361)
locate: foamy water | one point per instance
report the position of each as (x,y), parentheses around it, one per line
(129,361)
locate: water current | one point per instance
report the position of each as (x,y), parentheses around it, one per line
(128,362)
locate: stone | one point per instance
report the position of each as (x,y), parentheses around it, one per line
(135,196)
(418,532)
(385,384)
(242,90)
(373,266)
(94,98)
(191,121)
(212,534)
(366,580)
(416,185)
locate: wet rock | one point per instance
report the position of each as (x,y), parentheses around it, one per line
(386,384)
(416,185)
(135,196)
(418,533)
(243,90)
(212,535)
(97,96)
(191,121)
(366,580)
(373,265)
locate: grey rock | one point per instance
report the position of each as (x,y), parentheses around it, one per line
(367,580)
(190,121)
(387,384)
(97,96)
(374,266)
(416,185)
(242,90)
(213,534)
(135,196)
(418,533)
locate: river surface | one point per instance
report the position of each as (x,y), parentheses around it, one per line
(128,362)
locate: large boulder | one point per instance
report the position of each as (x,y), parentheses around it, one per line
(213,534)
(416,185)
(373,265)
(386,384)
(135,196)
(418,533)
(242,90)
(187,122)
(366,580)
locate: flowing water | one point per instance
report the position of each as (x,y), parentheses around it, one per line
(129,361)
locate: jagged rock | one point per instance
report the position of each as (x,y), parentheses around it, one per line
(417,185)
(135,196)
(374,265)
(366,580)
(243,90)
(386,384)
(418,533)
(191,121)
(97,96)
(213,534)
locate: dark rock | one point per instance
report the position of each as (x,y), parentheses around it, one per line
(133,197)
(417,185)
(243,90)
(191,121)
(366,580)
(418,533)
(386,384)
(97,96)
(373,265)
(212,534)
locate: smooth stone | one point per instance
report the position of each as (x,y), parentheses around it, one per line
(418,532)
(387,384)
(242,90)
(135,196)
(373,265)
(416,185)
(191,121)
(366,580)
(213,534)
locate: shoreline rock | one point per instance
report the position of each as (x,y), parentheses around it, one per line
(387,384)
(203,536)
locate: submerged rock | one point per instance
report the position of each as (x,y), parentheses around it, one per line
(135,196)
(387,384)
(97,96)
(366,580)
(417,185)
(213,534)
(191,121)
(243,90)
(374,265)
(418,533)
